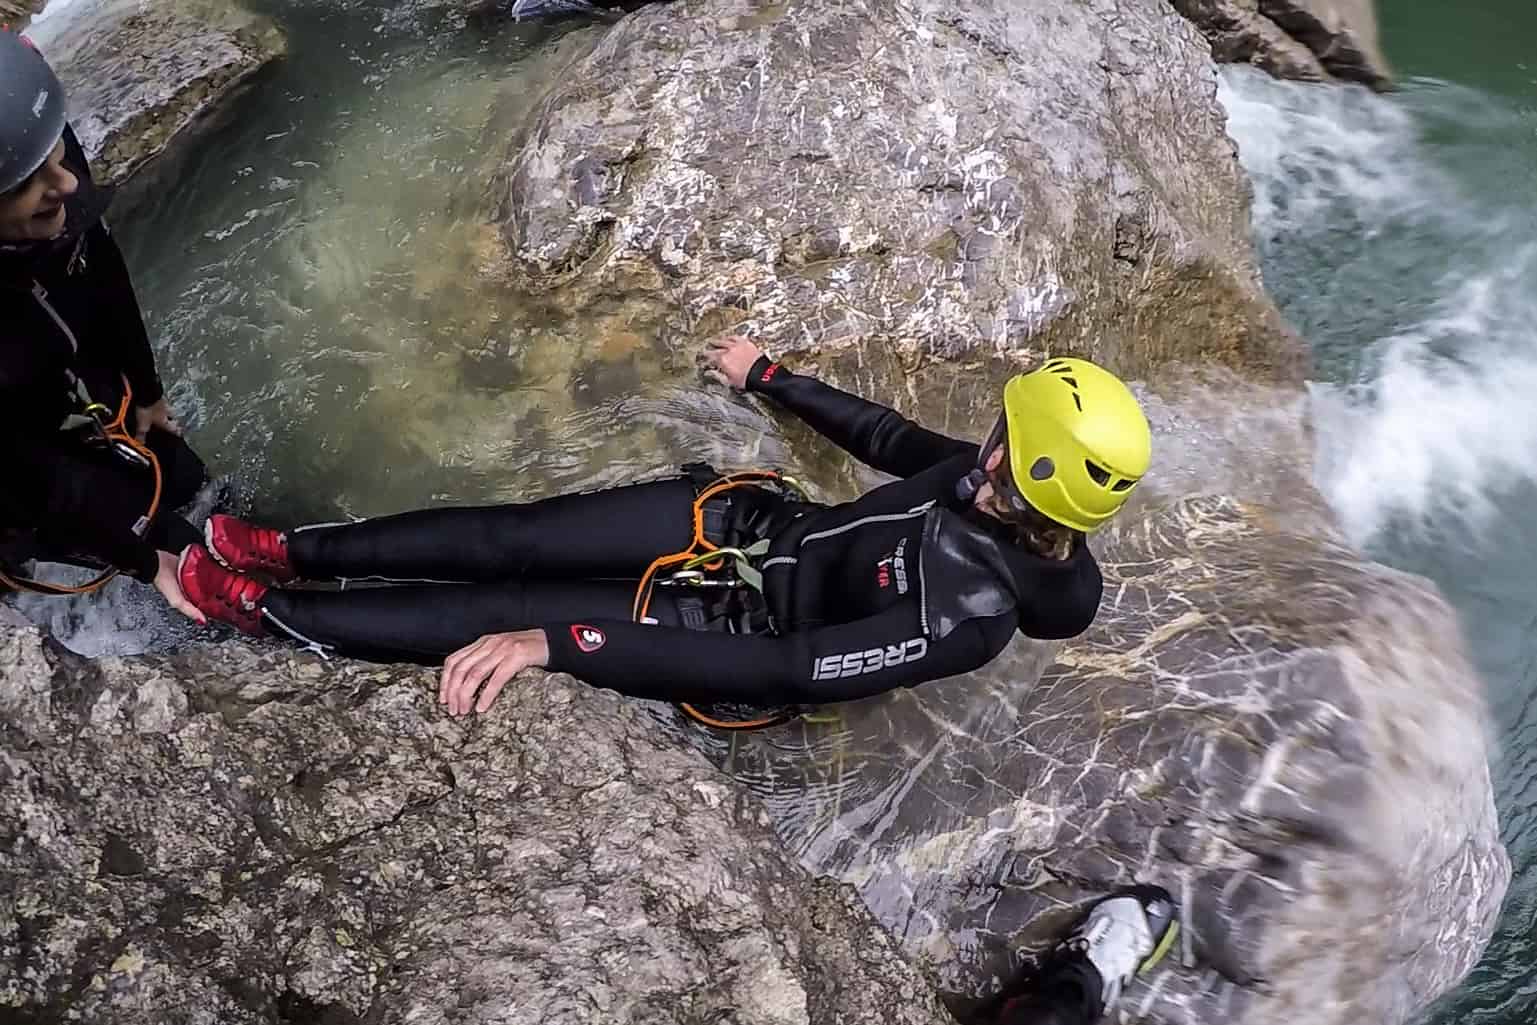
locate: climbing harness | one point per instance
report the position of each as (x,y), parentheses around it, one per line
(704,565)
(114,435)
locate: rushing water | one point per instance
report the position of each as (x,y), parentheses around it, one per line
(1400,234)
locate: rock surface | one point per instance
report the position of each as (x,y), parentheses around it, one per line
(141,73)
(16,13)
(235,836)
(900,188)
(1310,40)
(1288,737)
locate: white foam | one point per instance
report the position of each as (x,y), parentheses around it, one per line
(1428,440)
(1309,150)
(1431,418)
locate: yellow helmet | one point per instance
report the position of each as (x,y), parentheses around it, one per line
(1078,442)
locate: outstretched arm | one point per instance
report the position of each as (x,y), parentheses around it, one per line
(834,663)
(874,434)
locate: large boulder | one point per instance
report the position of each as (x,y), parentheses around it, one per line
(142,72)
(1311,40)
(1286,735)
(902,188)
(240,836)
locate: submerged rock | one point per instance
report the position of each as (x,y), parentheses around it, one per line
(139,74)
(899,188)
(235,836)
(1310,40)
(1288,737)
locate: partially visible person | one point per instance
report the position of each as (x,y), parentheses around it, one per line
(85,407)
(1080,979)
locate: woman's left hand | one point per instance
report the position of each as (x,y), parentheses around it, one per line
(159,415)
(493,660)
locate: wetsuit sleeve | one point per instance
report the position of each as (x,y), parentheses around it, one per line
(62,491)
(120,311)
(874,434)
(832,663)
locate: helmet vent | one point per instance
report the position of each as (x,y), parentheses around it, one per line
(1100,474)
(1124,484)
(1077,402)
(1071,380)
(1042,468)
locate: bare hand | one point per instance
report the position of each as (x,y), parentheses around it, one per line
(169,586)
(493,660)
(159,415)
(730,358)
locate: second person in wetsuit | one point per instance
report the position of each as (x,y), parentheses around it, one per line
(925,577)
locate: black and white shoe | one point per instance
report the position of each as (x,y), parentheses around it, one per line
(1124,935)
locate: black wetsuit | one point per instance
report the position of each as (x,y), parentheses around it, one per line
(72,334)
(902,585)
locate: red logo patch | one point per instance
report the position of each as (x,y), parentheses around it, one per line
(588,638)
(768,374)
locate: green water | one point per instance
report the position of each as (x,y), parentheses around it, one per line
(1400,234)
(1491,46)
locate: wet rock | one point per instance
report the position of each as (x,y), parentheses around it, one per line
(17,13)
(918,194)
(1303,39)
(141,74)
(241,835)
(1289,737)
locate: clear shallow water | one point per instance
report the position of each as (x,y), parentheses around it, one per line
(1400,234)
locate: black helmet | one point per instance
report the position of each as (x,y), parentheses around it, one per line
(31,110)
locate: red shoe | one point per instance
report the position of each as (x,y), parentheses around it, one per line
(242,548)
(219,594)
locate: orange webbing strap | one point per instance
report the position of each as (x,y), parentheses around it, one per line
(776,719)
(699,546)
(113,430)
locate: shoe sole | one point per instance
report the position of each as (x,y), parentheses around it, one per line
(208,544)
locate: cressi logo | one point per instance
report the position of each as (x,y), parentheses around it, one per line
(39,103)
(588,638)
(871,660)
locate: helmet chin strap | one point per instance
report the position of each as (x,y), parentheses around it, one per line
(967,487)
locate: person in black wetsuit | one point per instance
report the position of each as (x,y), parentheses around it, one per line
(924,577)
(73,352)
(1079,981)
